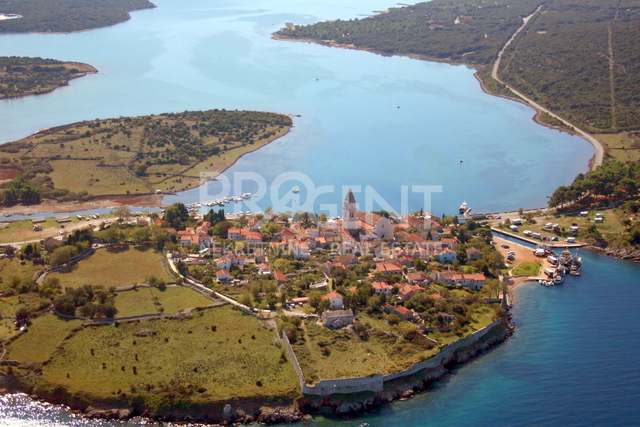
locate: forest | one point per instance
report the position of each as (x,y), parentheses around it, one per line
(63,16)
(579,58)
(21,76)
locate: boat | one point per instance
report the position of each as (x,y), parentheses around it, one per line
(246,196)
(295,190)
(558,279)
(463,207)
(461,160)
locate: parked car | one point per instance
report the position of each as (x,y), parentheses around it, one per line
(505,246)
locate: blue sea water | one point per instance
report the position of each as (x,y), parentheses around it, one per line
(572,360)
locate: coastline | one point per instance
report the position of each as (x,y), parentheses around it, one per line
(84,69)
(279,409)
(143,200)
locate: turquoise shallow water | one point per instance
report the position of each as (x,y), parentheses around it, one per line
(572,358)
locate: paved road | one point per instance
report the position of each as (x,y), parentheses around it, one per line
(599,155)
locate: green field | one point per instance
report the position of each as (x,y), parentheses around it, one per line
(325,353)
(11,268)
(183,360)
(107,267)
(152,300)
(42,337)
(10,305)
(527,268)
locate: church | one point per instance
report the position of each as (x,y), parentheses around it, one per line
(375,226)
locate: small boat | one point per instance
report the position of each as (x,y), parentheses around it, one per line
(295,190)
(461,160)
(463,207)
(246,196)
(558,279)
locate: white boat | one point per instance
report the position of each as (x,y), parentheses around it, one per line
(463,207)
(558,279)
(295,190)
(246,196)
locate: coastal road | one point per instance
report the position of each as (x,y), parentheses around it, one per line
(599,155)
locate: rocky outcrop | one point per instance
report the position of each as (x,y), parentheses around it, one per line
(626,254)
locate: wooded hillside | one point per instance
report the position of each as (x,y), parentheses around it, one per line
(66,15)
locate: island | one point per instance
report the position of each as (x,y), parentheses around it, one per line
(130,160)
(243,318)
(65,16)
(21,76)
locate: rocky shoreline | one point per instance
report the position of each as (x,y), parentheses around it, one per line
(620,253)
(249,411)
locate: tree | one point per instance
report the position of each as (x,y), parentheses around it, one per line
(140,234)
(123,214)
(222,228)
(63,254)
(20,191)
(176,215)
(22,315)
(113,235)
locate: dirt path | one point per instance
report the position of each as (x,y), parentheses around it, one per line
(599,155)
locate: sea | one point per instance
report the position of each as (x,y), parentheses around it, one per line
(405,133)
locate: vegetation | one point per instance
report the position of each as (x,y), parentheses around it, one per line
(137,155)
(33,76)
(171,300)
(121,266)
(66,15)
(527,268)
(43,336)
(169,363)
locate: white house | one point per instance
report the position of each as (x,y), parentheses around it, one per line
(223,276)
(335,300)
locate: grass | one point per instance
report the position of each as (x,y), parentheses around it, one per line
(481,317)
(184,359)
(527,268)
(10,305)
(326,353)
(88,176)
(152,300)
(11,268)
(108,267)
(176,298)
(22,230)
(42,337)
(621,147)
(135,302)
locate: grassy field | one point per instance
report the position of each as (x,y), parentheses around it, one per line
(527,268)
(22,230)
(11,268)
(42,337)
(176,298)
(88,176)
(114,268)
(182,359)
(10,305)
(135,302)
(622,147)
(325,353)
(481,318)
(152,300)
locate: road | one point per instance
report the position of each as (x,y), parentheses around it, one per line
(599,155)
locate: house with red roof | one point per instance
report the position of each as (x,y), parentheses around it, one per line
(279,276)
(223,276)
(388,268)
(381,288)
(402,312)
(335,300)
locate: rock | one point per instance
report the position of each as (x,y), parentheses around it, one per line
(226,412)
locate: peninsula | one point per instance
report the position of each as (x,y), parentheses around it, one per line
(21,76)
(129,159)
